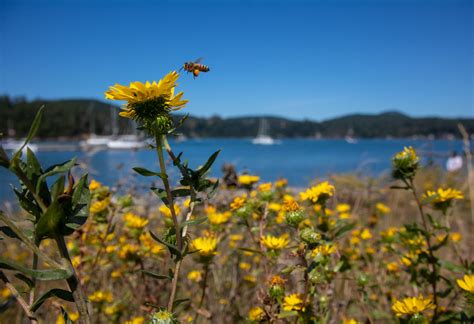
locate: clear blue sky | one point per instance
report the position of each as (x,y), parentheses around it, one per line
(311,60)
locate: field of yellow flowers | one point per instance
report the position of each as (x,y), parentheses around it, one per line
(344,250)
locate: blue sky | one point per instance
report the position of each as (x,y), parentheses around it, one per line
(313,60)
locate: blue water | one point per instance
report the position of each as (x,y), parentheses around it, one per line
(298,160)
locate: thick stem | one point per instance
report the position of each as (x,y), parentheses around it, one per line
(74,284)
(432,259)
(166,184)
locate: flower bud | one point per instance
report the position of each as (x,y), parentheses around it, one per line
(164,123)
(309,236)
(293,218)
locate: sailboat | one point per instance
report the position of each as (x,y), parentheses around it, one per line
(350,136)
(94,142)
(262,137)
(124,142)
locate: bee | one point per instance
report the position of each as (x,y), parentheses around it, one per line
(195,67)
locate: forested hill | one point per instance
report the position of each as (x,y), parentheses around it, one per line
(76,118)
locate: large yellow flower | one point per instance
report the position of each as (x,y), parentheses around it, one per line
(443,195)
(412,305)
(467,283)
(247,179)
(256,314)
(134,221)
(319,193)
(219,218)
(206,246)
(147,100)
(293,302)
(275,243)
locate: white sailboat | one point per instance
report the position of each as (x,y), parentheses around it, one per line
(124,142)
(94,142)
(262,137)
(350,136)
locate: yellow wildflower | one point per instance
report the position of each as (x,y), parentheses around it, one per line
(99,205)
(101,296)
(219,218)
(237,203)
(247,179)
(456,237)
(275,243)
(318,193)
(443,195)
(325,250)
(344,215)
(128,250)
(366,235)
(5,293)
(274,207)
(264,187)
(349,321)
(256,314)
(293,302)
(392,267)
(382,208)
(94,185)
(134,221)
(291,206)
(245,265)
(389,233)
(277,280)
(76,261)
(206,246)
(167,212)
(467,283)
(343,208)
(250,279)
(412,305)
(111,310)
(281,183)
(136,320)
(195,275)
(146,101)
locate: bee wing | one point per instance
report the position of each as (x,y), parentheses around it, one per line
(199,60)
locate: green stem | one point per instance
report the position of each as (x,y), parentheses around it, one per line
(159,149)
(21,301)
(432,259)
(74,284)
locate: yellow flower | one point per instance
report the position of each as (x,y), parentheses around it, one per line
(134,221)
(291,206)
(277,281)
(267,186)
(219,218)
(146,101)
(167,212)
(256,314)
(369,250)
(275,243)
(116,274)
(245,265)
(236,237)
(349,321)
(76,261)
(382,208)
(442,198)
(274,207)
(293,302)
(195,275)
(365,235)
(136,320)
(150,245)
(100,205)
(407,153)
(456,237)
(389,233)
(111,310)
(325,250)
(128,250)
(344,215)
(343,208)
(206,246)
(467,283)
(412,305)
(281,183)
(318,193)
(392,267)
(237,203)
(250,279)
(100,296)
(5,293)
(247,179)
(94,185)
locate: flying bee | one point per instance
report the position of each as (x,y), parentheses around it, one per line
(195,67)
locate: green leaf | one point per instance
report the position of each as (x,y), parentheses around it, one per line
(65,315)
(9,232)
(33,130)
(194,222)
(25,279)
(55,169)
(79,211)
(45,274)
(161,193)
(452,267)
(147,173)
(181,192)
(173,249)
(156,275)
(49,222)
(202,170)
(344,229)
(286,314)
(55,292)
(58,188)
(177,302)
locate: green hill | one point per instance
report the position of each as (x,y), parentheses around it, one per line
(76,118)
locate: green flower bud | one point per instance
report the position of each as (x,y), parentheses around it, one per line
(276,291)
(309,236)
(405,164)
(164,123)
(316,277)
(163,317)
(293,218)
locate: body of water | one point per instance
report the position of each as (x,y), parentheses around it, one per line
(298,160)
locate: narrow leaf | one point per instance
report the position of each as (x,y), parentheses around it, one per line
(55,292)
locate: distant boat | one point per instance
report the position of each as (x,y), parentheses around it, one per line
(350,136)
(262,137)
(14,145)
(126,142)
(95,141)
